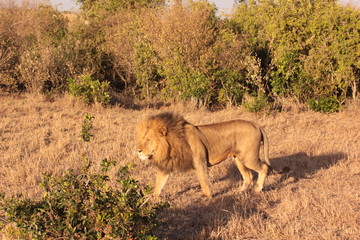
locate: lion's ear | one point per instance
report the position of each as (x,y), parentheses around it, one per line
(163,131)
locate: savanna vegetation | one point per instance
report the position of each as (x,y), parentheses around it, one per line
(57,148)
(262,53)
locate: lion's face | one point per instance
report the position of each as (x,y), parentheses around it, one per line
(146,144)
(151,142)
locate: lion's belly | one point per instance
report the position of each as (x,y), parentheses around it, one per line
(213,160)
(228,139)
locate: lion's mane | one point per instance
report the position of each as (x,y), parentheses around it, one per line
(173,152)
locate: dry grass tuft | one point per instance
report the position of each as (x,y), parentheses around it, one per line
(318,199)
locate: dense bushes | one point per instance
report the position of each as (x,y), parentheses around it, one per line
(183,53)
(307,50)
(32,42)
(311,48)
(83,206)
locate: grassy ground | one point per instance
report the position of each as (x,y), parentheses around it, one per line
(318,199)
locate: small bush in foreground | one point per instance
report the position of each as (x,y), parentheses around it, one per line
(83,206)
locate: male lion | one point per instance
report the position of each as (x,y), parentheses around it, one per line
(172,143)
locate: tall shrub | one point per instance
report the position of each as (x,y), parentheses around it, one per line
(308,49)
(9,50)
(42,65)
(196,56)
(333,60)
(117,23)
(182,37)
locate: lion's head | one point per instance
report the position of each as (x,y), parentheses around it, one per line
(161,139)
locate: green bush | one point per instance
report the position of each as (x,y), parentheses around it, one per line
(324,104)
(87,125)
(232,87)
(83,206)
(256,104)
(146,71)
(306,47)
(188,85)
(90,90)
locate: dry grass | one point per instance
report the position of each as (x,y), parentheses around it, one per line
(319,199)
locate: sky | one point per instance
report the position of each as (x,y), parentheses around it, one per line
(222,5)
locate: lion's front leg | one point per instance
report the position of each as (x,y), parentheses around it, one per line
(199,159)
(161,179)
(203,177)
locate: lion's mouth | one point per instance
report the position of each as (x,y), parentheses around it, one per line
(144,157)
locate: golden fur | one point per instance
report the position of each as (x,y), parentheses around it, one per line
(173,144)
(179,156)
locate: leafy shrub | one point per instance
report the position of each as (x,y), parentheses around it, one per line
(146,71)
(188,85)
(42,63)
(325,104)
(89,89)
(232,87)
(180,39)
(9,52)
(306,47)
(87,125)
(83,206)
(256,104)
(98,7)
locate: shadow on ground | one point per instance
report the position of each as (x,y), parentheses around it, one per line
(198,219)
(301,165)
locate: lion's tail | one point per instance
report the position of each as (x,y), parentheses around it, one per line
(266,153)
(266,145)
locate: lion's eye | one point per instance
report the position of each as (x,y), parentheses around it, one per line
(147,141)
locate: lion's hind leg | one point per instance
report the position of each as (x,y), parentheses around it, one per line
(262,169)
(245,173)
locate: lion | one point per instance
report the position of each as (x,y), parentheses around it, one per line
(173,144)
